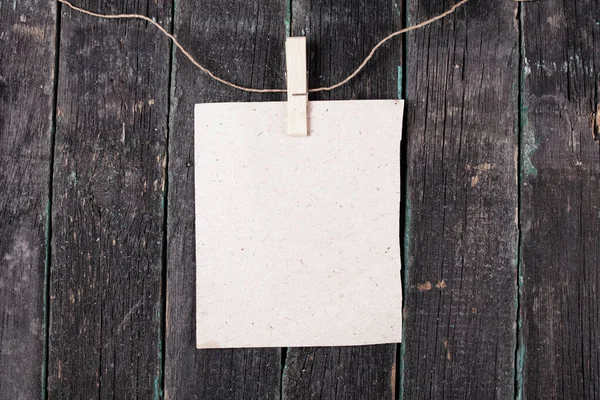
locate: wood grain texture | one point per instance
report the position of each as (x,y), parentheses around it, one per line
(352,372)
(340,34)
(242,41)
(107,216)
(27,32)
(560,197)
(460,313)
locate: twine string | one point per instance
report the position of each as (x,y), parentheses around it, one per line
(261,90)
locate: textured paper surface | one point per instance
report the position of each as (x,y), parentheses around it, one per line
(297,238)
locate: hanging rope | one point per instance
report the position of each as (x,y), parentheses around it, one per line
(259,90)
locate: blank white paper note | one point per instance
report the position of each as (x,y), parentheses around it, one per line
(297,238)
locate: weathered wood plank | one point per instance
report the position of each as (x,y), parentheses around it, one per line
(27,33)
(107,215)
(460,323)
(340,34)
(242,41)
(560,197)
(352,372)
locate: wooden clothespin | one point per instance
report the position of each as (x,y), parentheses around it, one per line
(297,86)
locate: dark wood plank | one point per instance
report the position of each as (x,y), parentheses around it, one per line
(560,196)
(340,34)
(460,315)
(352,372)
(241,41)
(27,33)
(107,216)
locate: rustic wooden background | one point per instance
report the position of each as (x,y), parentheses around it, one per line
(500,209)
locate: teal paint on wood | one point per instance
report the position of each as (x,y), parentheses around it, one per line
(405,282)
(529,143)
(400,83)
(288,18)
(529,146)
(158,390)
